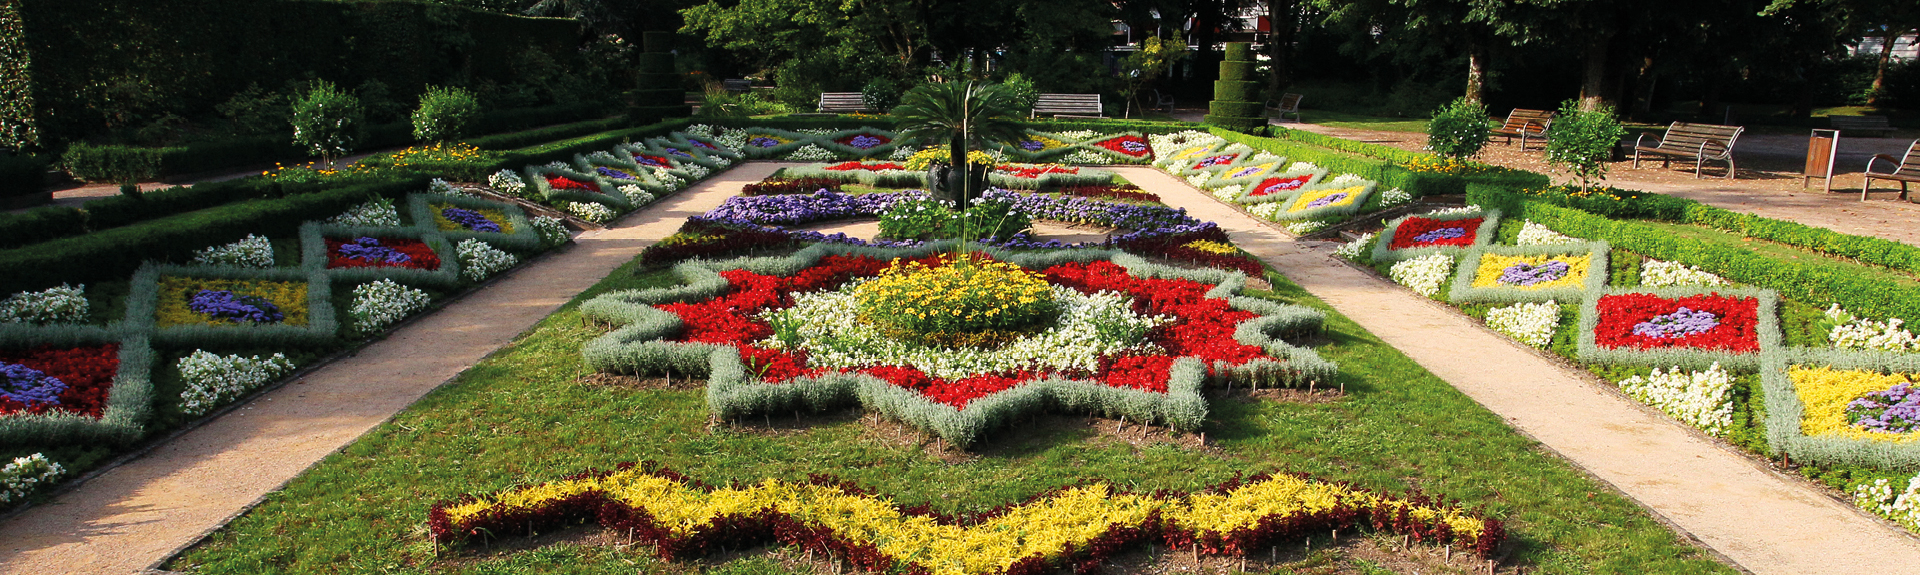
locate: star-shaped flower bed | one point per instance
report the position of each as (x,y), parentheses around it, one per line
(957,346)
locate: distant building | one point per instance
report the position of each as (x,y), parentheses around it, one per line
(1904,48)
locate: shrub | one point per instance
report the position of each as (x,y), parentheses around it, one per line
(882,94)
(1459,129)
(444,114)
(111,163)
(327,121)
(1582,141)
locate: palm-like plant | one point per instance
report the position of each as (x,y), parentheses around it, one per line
(960,114)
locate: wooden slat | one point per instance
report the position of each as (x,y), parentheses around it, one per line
(842,102)
(1068,104)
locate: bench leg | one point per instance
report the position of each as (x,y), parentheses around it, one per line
(1864,187)
(1697,162)
(1730,167)
(1636,158)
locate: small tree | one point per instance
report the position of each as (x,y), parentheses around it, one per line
(444,114)
(326,120)
(1582,141)
(1459,130)
(1141,68)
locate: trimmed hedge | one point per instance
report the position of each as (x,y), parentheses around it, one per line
(39,225)
(22,175)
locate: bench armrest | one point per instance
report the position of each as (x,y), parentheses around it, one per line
(1889,159)
(1643,138)
(1718,147)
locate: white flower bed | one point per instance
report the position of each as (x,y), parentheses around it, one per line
(635,195)
(1229,193)
(697,171)
(1089,327)
(591,211)
(1267,210)
(1351,251)
(1200,180)
(1082,157)
(252,252)
(1302,228)
(507,182)
(700,130)
(1656,273)
(64,304)
(731,138)
(1395,197)
(1881,498)
(811,153)
(672,182)
(376,213)
(440,186)
(1164,146)
(1529,323)
(479,260)
(1462,210)
(552,231)
(1851,332)
(1701,399)
(1532,234)
(1076,135)
(1423,274)
(25,474)
(383,303)
(215,379)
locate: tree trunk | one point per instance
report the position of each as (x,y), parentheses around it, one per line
(1880,73)
(1593,84)
(1281,16)
(1477,71)
(1643,85)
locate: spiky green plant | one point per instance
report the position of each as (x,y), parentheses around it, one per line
(960,114)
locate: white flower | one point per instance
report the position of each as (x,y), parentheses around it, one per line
(376,213)
(811,153)
(1076,135)
(666,178)
(507,182)
(1700,399)
(479,260)
(19,478)
(1851,332)
(1229,193)
(815,131)
(697,171)
(1532,234)
(1656,273)
(64,304)
(1879,497)
(1347,180)
(901,153)
(1457,211)
(1351,250)
(552,231)
(1529,323)
(1423,274)
(1302,167)
(699,130)
(1305,227)
(252,252)
(591,211)
(382,303)
(731,138)
(1264,157)
(213,379)
(1200,180)
(1269,211)
(1395,197)
(1083,157)
(634,194)
(440,186)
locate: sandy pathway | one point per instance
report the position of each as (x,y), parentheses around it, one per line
(1761,521)
(137,515)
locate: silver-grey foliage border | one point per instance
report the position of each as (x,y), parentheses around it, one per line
(1767,326)
(1464,292)
(143,302)
(637,346)
(1784,411)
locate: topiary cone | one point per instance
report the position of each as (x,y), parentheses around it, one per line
(1236,102)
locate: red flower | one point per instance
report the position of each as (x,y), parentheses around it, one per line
(88,372)
(419,255)
(562,183)
(858,165)
(646,160)
(1130,145)
(1272,186)
(1738,317)
(1035,171)
(1418,232)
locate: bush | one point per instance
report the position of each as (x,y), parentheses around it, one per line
(1024,92)
(327,121)
(445,114)
(1582,141)
(1459,130)
(882,94)
(111,163)
(39,225)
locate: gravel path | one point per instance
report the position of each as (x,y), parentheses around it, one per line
(1761,521)
(136,515)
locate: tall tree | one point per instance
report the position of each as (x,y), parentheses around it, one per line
(1887,20)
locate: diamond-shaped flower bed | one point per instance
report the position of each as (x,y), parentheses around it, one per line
(1845,408)
(358,255)
(1684,327)
(1508,274)
(1128,145)
(957,346)
(1414,236)
(193,306)
(66,385)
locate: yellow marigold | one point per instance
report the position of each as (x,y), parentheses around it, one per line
(1826,391)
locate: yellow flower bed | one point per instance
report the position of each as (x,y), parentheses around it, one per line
(1189,153)
(926,158)
(1062,523)
(1493,265)
(1046,143)
(1302,203)
(172,310)
(1213,247)
(1449,166)
(962,295)
(440,220)
(1826,391)
(1259,170)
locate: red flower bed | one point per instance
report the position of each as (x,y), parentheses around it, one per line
(87,370)
(1035,171)
(858,165)
(1738,319)
(654,161)
(1203,327)
(1272,186)
(564,183)
(419,255)
(1130,145)
(1418,232)
(1120,192)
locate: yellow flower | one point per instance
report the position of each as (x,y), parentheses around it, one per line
(1826,391)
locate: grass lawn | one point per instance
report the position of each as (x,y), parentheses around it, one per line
(529,414)
(1364,122)
(1778,251)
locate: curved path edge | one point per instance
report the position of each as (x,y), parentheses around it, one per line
(1762,522)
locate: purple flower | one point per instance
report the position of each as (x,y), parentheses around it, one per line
(677,152)
(1438,234)
(1528,274)
(769,213)
(1134,147)
(615,174)
(225,305)
(470,219)
(1244,172)
(761,142)
(1032,145)
(1333,198)
(700,144)
(1681,323)
(864,141)
(370,250)
(1896,410)
(28,385)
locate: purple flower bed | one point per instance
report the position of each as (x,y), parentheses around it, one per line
(1439,234)
(1329,199)
(1681,323)
(769,213)
(470,219)
(1896,410)
(226,305)
(761,142)
(28,385)
(613,173)
(1244,172)
(864,142)
(369,250)
(1032,145)
(789,209)
(1527,274)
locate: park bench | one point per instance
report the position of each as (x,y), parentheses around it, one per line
(1874,125)
(1701,142)
(1287,104)
(737,85)
(1069,106)
(1906,169)
(1526,125)
(843,102)
(1162,101)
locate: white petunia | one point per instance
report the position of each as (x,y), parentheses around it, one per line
(1423,274)
(1529,323)
(1702,399)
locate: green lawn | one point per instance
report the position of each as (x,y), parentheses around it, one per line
(524,415)
(1362,122)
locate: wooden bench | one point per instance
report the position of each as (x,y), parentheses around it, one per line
(1288,103)
(843,102)
(1069,106)
(1905,170)
(737,85)
(1701,142)
(1877,126)
(1526,125)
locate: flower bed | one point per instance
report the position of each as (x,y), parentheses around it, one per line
(1342,197)
(1081,526)
(1843,408)
(462,217)
(218,306)
(1508,274)
(373,252)
(1679,326)
(1452,233)
(958,395)
(1127,192)
(73,385)
(412,254)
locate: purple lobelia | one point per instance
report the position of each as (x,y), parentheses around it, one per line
(613,173)
(1896,410)
(28,385)
(229,306)
(1529,274)
(1438,234)
(1681,323)
(769,213)
(1032,145)
(1331,199)
(762,142)
(864,141)
(369,250)
(470,219)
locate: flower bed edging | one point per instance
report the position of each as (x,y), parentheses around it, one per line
(1766,330)
(1464,291)
(129,402)
(523,236)
(143,305)
(1383,252)
(1785,411)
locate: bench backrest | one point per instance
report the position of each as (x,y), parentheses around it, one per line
(1069,104)
(1288,102)
(1685,137)
(739,85)
(1530,121)
(1910,164)
(1860,122)
(842,102)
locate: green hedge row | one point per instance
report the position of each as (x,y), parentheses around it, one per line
(22,175)
(116,253)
